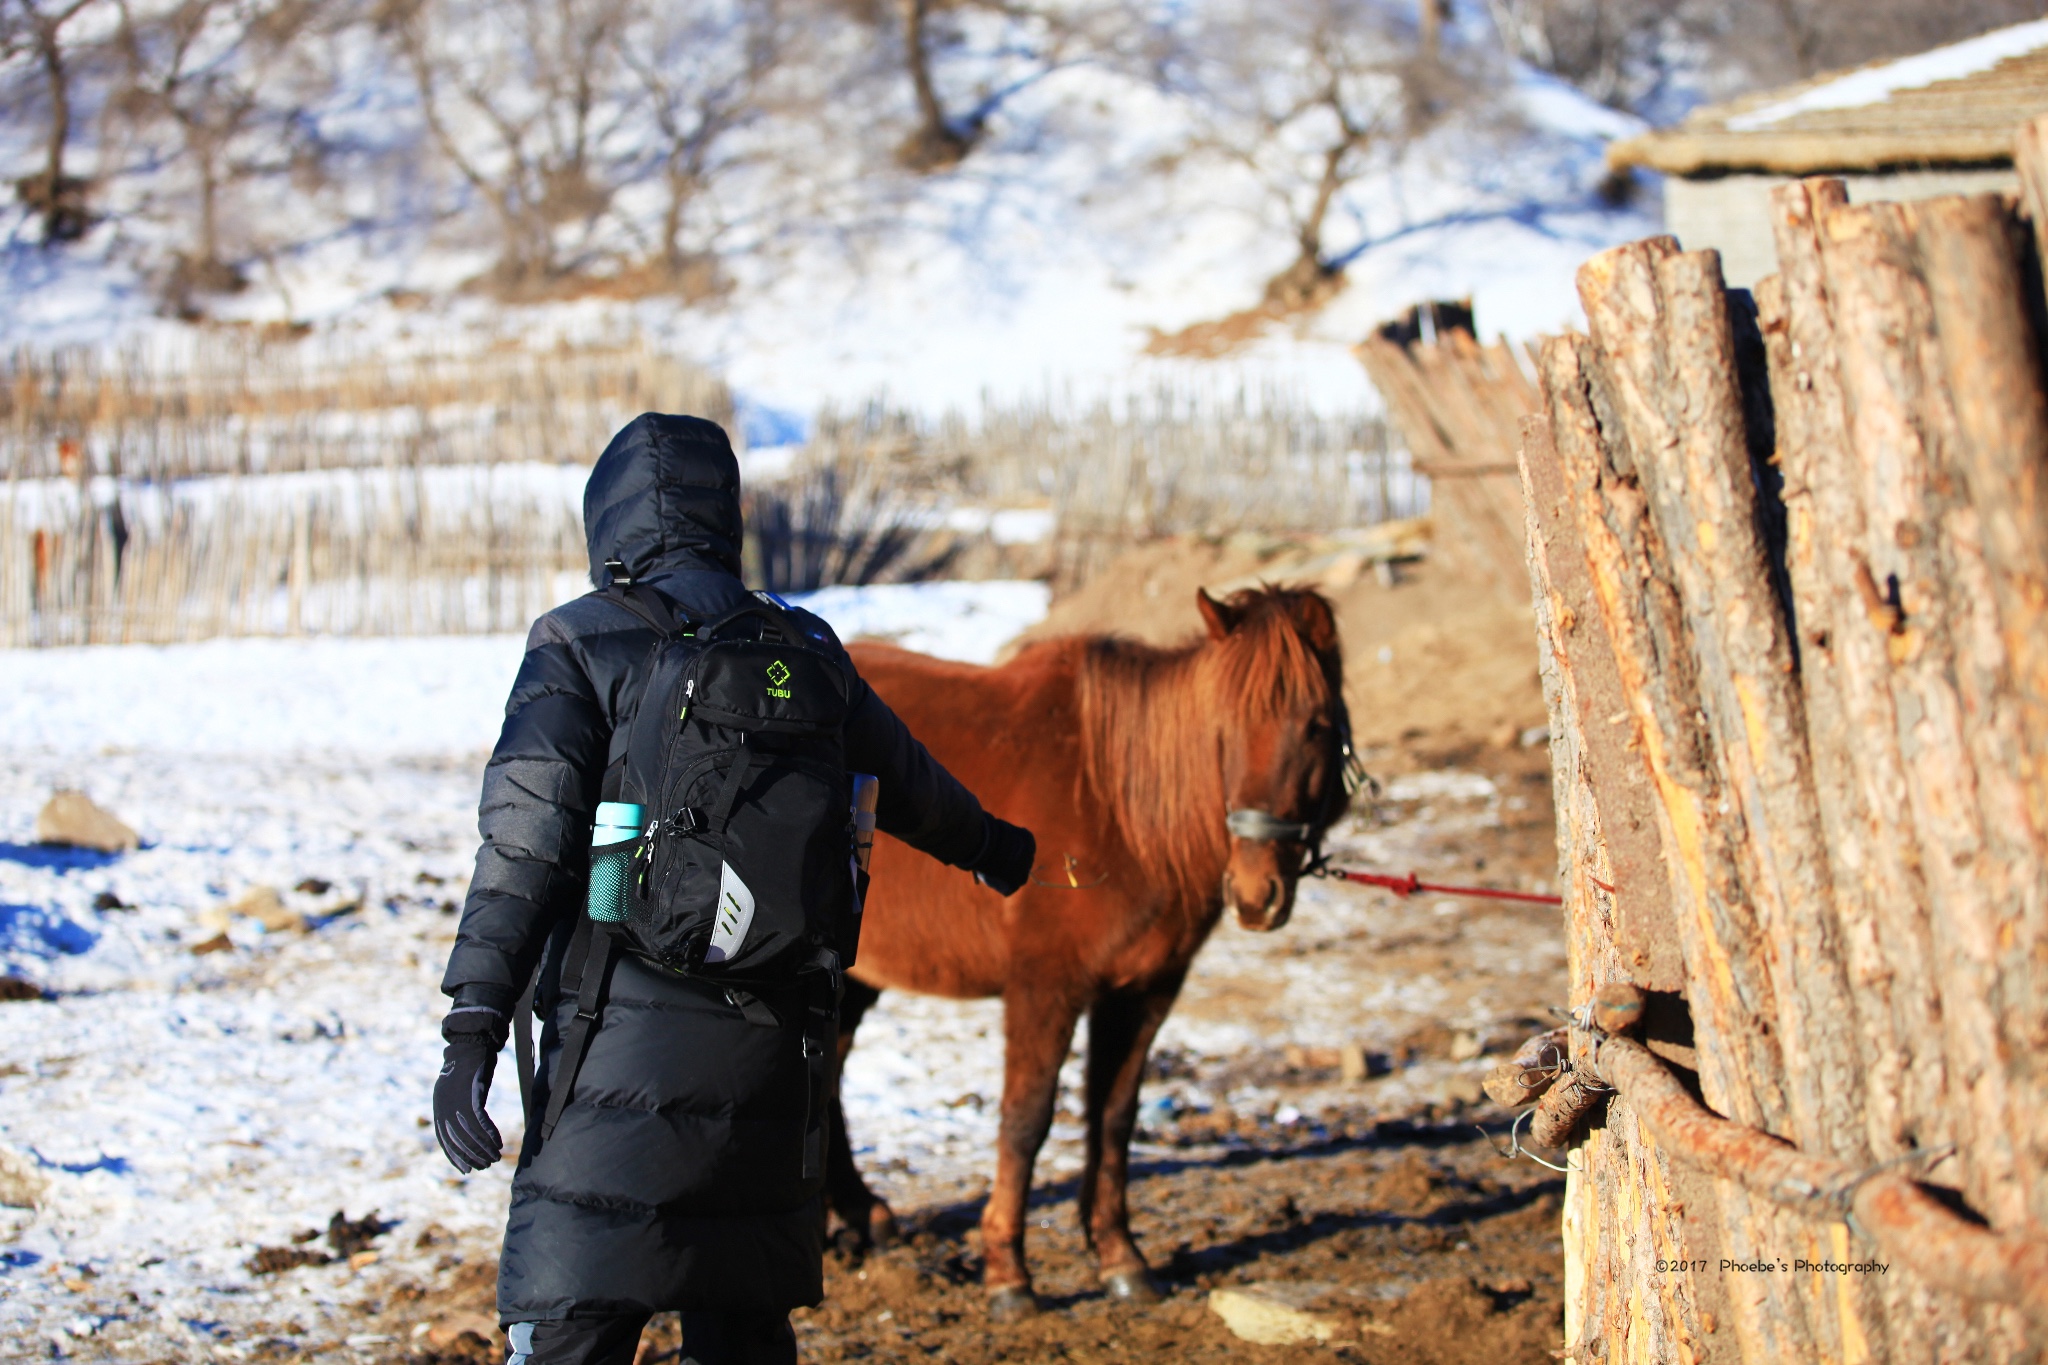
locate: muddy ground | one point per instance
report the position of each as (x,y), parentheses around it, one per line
(1381,1203)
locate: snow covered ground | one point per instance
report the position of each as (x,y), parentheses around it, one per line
(177,1111)
(393,696)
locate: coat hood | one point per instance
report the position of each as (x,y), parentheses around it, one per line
(665,495)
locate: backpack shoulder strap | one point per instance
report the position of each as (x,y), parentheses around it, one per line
(597,958)
(646,604)
(775,617)
(522,1047)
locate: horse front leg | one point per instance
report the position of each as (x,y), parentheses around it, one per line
(867,1219)
(1121,1028)
(1037,1030)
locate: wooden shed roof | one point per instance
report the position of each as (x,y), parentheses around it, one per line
(1953,106)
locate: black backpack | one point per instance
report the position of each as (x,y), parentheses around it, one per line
(744,874)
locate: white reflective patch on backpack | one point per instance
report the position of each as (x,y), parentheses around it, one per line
(735,916)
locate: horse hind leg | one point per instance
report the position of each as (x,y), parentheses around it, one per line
(866,1220)
(1121,1027)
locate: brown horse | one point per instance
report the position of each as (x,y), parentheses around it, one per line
(1160,783)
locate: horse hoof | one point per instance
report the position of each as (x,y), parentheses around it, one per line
(1011,1303)
(1131,1286)
(882,1229)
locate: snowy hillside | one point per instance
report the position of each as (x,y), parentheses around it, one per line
(1043,263)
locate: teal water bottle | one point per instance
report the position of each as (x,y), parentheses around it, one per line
(614,841)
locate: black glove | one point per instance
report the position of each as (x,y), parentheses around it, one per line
(1007,853)
(467,1136)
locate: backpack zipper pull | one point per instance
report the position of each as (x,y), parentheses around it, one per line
(689,690)
(643,859)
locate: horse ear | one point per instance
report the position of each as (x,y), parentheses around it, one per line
(1317,622)
(1219,617)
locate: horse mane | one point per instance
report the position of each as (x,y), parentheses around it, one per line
(1152,722)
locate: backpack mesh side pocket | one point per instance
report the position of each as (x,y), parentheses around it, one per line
(611,881)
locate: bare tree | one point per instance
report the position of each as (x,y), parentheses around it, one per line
(228,80)
(55,194)
(938,141)
(965,60)
(518,98)
(1778,40)
(1304,97)
(706,77)
(1621,52)
(566,116)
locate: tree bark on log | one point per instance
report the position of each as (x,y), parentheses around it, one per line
(1663,326)
(1921,571)
(1880,900)
(1619,1307)
(1970,254)
(1638,905)
(1644,621)
(1740,1069)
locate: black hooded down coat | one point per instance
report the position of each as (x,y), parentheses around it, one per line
(673,1180)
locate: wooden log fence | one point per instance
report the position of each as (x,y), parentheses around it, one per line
(274,488)
(266,490)
(1789,556)
(1459,406)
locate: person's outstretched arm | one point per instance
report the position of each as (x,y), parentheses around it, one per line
(540,792)
(925,806)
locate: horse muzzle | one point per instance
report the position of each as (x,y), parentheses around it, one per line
(1256,883)
(1260,916)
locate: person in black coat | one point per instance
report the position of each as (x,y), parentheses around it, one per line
(650,1195)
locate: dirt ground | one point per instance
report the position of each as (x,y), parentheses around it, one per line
(1383,1204)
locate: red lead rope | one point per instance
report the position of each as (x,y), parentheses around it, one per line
(1408,886)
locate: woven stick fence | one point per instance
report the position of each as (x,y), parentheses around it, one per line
(256,491)
(368,553)
(259,490)
(239,406)
(1790,559)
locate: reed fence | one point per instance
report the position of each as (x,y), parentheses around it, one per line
(253,490)
(241,406)
(369,552)
(250,489)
